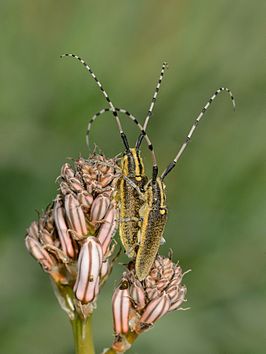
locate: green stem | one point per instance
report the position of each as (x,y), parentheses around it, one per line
(82,333)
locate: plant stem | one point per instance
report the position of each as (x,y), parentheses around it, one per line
(82,333)
(122,344)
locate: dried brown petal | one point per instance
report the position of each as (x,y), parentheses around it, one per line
(38,252)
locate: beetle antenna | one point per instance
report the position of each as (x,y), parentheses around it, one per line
(188,138)
(112,108)
(149,114)
(129,115)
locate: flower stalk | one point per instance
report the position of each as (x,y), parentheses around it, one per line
(82,333)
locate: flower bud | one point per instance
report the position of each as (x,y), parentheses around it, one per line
(38,252)
(175,303)
(107,229)
(75,216)
(67,172)
(156,309)
(99,207)
(85,199)
(90,260)
(62,229)
(121,307)
(137,295)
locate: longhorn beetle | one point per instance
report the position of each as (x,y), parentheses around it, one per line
(131,184)
(153,210)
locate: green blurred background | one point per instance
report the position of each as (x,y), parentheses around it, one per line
(216,194)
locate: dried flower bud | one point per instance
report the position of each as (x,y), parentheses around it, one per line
(38,252)
(90,260)
(67,172)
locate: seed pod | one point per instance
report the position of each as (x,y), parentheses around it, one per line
(90,260)
(62,229)
(99,207)
(107,229)
(38,252)
(121,307)
(156,309)
(75,216)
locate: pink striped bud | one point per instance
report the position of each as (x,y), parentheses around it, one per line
(175,303)
(64,187)
(99,207)
(104,269)
(156,309)
(137,295)
(85,200)
(121,307)
(75,184)
(90,260)
(38,252)
(62,229)
(46,238)
(75,216)
(33,230)
(107,229)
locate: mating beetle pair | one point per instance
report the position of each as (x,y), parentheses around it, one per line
(142,202)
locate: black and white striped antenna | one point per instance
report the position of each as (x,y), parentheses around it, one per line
(149,114)
(193,128)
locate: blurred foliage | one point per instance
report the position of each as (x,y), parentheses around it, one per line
(216,194)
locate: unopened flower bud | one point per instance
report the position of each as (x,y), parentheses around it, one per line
(137,295)
(178,300)
(121,307)
(75,216)
(62,229)
(85,199)
(90,260)
(107,229)
(99,207)
(156,309)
